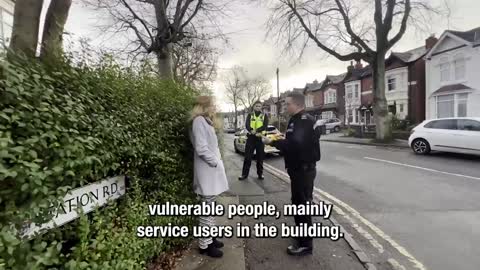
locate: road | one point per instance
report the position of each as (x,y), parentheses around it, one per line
(427,206)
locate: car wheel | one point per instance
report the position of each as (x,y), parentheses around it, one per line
(336,129)
(420,147)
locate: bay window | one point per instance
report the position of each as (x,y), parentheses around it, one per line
(454,105)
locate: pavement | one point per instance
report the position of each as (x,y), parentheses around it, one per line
(340,138)
(267,253)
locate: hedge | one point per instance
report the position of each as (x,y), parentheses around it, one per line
(65,126)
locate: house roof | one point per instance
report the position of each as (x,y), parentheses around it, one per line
(451,87)
(314,86)
(472,35)
(269,101)
(411,55)
(336,78)
(299,90)
(358,74)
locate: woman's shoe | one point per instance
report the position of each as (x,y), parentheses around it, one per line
(217,244)
(212,251)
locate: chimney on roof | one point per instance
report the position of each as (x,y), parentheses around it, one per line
(430,42)
(358,65)
(315,82)
(351,67)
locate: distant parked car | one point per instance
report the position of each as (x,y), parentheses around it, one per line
(229,130)
(460,135)
(333,124)
(240,140)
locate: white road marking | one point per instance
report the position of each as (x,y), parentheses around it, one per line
(422,168)
(417,264)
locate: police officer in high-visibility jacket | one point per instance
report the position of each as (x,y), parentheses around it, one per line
(256,125)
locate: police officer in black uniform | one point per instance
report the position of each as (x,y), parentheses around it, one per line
(301,150)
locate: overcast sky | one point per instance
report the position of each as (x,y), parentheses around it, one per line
(249,48)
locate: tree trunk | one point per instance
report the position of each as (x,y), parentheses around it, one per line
(380,109)
(26,23)
(165,63)
(52,45)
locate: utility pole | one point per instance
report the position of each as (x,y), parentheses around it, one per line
(278,99)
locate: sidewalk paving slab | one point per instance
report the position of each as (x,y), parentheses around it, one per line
(270,253)
(233,257)
(266,253)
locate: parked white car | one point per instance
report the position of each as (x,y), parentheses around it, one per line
(460,135)
(333,124)
(240,140)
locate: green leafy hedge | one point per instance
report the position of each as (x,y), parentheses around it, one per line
(64,127)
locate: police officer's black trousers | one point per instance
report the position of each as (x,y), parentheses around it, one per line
(301,181)
(253,144)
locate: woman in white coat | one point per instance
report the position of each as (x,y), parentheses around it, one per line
(209,178)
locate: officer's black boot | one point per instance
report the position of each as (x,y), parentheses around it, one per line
(301,248)
(296,250)
(212,251)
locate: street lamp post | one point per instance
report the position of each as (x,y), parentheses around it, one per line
(278,98)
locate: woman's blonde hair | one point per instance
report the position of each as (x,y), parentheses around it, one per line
(205,106)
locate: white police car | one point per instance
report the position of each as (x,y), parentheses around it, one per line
(240,140)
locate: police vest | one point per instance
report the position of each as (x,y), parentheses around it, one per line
(256,122)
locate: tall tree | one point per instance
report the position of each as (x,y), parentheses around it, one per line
(195,63)
(26,21)
(26,27)
(234,88)
(350,30)
(159,24)
(52,39)
(255,89)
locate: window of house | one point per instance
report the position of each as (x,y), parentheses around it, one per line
(391,83)
(444,70)
(327,115)
(330,97)
(350,116)
(392,109)
(6,27)
(446,106)
(357,91)
(349,92)
(401,108)
(461,105)
(459,67)
(454,105)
